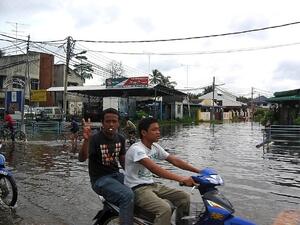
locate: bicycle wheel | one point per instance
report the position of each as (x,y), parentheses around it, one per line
(5,135)
(61,139)
(8,190)
(20,136)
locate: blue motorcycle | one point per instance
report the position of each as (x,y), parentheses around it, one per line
(8,187)
(218,210)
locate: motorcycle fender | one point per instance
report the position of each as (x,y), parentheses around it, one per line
(103,215)
(4,172)
(238,221)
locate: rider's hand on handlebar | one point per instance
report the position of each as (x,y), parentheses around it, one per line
(188,181)
(86,128)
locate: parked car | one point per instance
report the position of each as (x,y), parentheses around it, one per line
(48,113)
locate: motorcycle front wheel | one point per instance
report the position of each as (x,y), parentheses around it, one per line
(114,220)
(8,190)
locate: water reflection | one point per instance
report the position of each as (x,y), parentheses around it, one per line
(54,187)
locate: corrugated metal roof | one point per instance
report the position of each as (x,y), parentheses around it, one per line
(285,98)
(102,91)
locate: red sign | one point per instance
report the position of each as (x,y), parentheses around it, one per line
(136,82)
(127,82)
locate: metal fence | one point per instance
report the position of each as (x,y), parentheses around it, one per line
(283,136)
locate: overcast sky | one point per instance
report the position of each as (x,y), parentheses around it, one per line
(266,69)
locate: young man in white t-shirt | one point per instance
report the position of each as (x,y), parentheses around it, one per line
(140,165)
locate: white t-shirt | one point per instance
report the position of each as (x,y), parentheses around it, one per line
(136,173)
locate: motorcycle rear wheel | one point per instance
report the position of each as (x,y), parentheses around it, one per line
(8,190)
(114,220)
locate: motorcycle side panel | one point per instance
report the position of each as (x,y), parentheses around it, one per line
(238,221)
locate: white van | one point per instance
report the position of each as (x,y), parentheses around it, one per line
(48,113)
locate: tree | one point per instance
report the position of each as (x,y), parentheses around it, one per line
(155,77)
(207,89)
(116,69)
(158,78)
(83,69)
(243,99)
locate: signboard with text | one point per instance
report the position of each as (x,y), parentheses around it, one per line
(127,82)
(38,95)
(14,101)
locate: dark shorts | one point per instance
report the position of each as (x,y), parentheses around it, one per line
(74,131)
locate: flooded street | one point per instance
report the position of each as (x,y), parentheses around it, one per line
(54,187)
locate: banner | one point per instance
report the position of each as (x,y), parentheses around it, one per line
(124,82)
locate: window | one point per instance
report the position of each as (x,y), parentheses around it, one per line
(34,84)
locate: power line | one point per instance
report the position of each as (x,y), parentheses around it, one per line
(196,37)
(201,52)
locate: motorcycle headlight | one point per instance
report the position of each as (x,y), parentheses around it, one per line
(215,179)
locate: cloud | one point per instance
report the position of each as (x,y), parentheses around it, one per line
(20,7)
(145,24)
(88,14)
(249,23)
(288,70)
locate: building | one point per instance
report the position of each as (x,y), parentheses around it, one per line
(260,102)
(42,74)
(225,106)
(287,105)
(162,102)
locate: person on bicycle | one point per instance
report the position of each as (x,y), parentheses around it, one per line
(10,123)
(140,164)
(74,130)
(106,150)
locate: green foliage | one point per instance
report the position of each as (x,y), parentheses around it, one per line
(158,78)
(297,121)
(243,99)
(141,114)
(259,114)
(207,90)
(185,119)
(83,69)
(268,116)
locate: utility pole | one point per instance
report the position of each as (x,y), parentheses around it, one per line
(252,105)
(213,101)
(68,57)
(25,85)
(149,64)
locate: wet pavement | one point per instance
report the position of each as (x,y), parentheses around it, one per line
(54,187)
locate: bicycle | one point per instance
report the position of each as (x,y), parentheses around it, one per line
(5,135)
(64,136)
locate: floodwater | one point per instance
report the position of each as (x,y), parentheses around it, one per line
(54,187)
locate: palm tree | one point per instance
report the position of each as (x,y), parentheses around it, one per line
(158,78)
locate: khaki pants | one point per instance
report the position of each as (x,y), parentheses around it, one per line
(151,198)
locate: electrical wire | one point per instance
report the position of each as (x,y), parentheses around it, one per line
(200,52)
(196,37)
